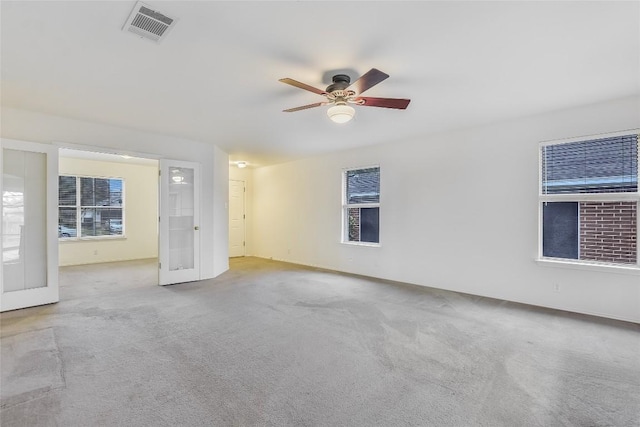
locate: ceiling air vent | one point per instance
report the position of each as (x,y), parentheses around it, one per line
(148,23)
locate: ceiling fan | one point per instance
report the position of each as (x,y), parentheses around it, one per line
(342,92)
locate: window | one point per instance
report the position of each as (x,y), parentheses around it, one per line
(90,207)
(589,200)
(361,205)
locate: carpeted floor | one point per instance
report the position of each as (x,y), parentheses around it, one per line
(274,344)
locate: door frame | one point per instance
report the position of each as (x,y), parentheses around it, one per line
(50,293)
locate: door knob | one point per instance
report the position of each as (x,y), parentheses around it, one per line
(196,228)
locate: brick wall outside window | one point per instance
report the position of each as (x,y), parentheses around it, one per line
(354,224)
(608,231)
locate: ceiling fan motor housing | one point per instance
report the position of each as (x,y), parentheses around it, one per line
(340,82)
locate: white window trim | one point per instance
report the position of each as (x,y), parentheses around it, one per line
(588,197)
(344,239)
(78,206)
(589,265)
(588,137)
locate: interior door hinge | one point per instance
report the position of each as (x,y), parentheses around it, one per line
(159,172)
(244,216)
(244,244)
(159,266)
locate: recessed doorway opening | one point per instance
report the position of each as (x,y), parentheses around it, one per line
(107,221)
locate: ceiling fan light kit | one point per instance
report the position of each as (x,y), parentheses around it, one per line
(341,113)
(341,92)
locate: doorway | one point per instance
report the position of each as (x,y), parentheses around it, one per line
(107,209)
(237,218)
(107,219)
(156,203)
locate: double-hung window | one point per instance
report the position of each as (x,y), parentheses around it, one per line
(90,207)
(361,205)
(589,200)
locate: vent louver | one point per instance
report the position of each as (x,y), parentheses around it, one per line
(148,23)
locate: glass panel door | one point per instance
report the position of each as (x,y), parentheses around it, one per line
(179,226)
(29,239)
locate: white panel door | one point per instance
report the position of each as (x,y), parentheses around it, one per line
(179,251)
(29,181)
(236,218)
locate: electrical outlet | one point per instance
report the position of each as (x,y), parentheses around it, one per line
(556,287)
(95,252)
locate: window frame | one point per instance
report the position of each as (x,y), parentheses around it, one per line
(79,207)
(346,206)
(586,197)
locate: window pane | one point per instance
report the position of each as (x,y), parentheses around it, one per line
(353,219)
(67,222)
(67,190)
(87,221)
(369,225)
(181,218)
(608,231)
(363,186)
(24,195)
(101,221)
(560,230)
(607,165)
(115,192)
(86,192)
(591,231)
(101,191)
(363,225)
(112,221)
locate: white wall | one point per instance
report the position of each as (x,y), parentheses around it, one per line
(140,210)
(459,211)
(38,127)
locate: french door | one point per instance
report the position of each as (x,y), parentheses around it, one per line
(29,181)
(179,251)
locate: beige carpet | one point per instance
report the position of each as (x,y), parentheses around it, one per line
(274,344)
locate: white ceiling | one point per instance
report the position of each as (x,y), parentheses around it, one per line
(215,77)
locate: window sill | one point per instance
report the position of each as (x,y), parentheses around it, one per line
(589,266)
(90,239)
(366,244)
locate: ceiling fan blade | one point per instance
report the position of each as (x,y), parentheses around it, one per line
(368,80)
(305,107)
(302,86)
(397,103)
